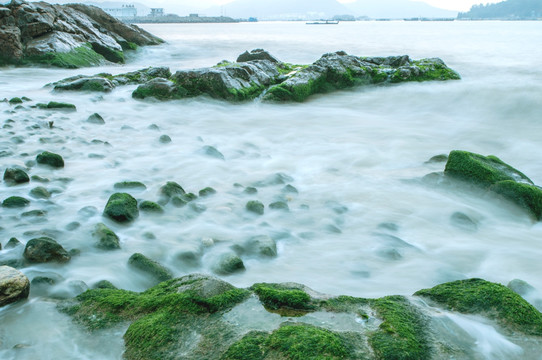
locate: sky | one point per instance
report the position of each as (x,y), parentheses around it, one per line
(457,5)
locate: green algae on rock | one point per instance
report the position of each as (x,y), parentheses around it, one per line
(54,105)
(255,206)
(15,202)
(495,301)
(150,207)
(122,208)
(150,267)
(107,239)
(492,174)
(44,250)
(14,176)
(283,298)
(51,159)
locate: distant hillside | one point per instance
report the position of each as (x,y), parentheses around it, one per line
(397,9)
(280,9)
(510,9)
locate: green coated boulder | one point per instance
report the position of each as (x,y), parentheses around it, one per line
(122,208)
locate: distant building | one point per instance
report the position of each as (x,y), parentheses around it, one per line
(157,12)
(124,12)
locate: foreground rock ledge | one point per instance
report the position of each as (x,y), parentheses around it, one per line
(202,317)
(70,36)
(259,74)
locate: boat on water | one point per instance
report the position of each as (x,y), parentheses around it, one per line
(323,22)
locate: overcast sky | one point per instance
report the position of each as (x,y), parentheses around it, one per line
(459,5)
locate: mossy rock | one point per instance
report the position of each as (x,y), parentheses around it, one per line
(284,298)
(149,266)
(480,170)
(15,202)
(151,207)
(228,263)
(15,176)
(279,205)
(104,284)
(40,193)
(45,250)
(128,185)
(403,333)
(51,159)
(96,119)
(261,245)
(171,189)
(255,207)
(15,101)
(122,208)
(54,105)
(82,56)
(107,239)
(207,191)
(527,197)
(495,301)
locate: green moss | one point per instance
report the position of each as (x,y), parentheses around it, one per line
(426,70)
(250,347)
(344,304)
(305,342)
(255,207)
(130,185)
(171,189)
(15,202)
(526,196)
(496,301)
(15,100)
(82,56)
(244,93)
(279,297)
(149,266)
(207,191)
(481,170)
(57,105)
(109,54)
(50,159)
(121,207)
(150,207)
(107,239)
(127,45)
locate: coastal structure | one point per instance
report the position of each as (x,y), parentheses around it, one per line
(125,12)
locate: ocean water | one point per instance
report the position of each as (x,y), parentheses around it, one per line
(362,223)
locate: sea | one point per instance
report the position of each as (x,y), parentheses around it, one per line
(362,222)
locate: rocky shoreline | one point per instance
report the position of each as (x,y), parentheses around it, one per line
(258,74)
(69,36)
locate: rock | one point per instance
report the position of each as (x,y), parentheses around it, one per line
(127,185)
(15,101)
(261,245)
(250,190)
(463,221)
(279,205)
(14,176)
(122,208)
(233,82)
(151,207)
(289,189)
(87,83)
(477,296)
(256,54)
(40,193)
(190,256)
(44,250)
(14,285)
(13,243)
(69,36)
(53,105)
(15,202)
(520,287)
(150,267)
(211,151)
(51,159)
(207,191)
(339,70)
(255,207)
(160,89)
(107,239)
(228,263)
(442,158)
(492,174)
(164,139)
(104,284)
(96,119)
(274,179)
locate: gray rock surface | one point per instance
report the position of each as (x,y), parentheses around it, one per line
(14,285)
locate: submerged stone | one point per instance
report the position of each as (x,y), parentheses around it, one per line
(45,250)
(40,193)
(122,208)
(255,206)
(227,264)
(150,267)
(15,202)
(150,207)
(107,239)
(14,176)
(96,119)
(85,83)
(51,159)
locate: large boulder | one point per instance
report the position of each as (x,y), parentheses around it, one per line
(494,175)
(45,250)
(14,285)
(339,70)
(65,35)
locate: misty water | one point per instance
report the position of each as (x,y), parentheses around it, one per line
(362,222)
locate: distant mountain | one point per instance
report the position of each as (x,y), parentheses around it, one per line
(398,9)
(280,9)
(510,9)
